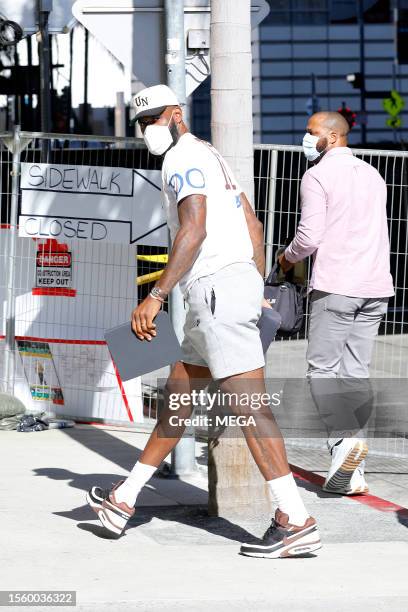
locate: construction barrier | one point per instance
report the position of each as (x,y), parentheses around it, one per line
(83,238)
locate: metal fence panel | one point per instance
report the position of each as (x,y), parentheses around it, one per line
(278,173)
(60,362)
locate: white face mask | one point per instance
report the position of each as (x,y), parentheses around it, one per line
(158,138)
(309,147)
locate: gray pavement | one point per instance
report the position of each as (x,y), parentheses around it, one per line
(286,361)
(390,358)
(387,476)
(173,556)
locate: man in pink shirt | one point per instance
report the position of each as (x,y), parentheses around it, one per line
(344,226)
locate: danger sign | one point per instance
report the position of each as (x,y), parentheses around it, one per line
(53,269)
(54,277)
(53,259)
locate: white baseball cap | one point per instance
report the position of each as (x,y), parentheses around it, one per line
(153,100)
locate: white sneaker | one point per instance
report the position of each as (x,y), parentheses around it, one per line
(347,454)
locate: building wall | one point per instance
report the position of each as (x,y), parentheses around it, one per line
(289,56)
(321,37)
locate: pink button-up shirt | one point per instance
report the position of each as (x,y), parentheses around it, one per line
(344,223)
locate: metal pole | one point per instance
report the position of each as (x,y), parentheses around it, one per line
(271,212)
(44,9)
(31,124)
(85,117)
(120,117)
(17,98)
(360,17)
(71,55)
(51,70)
(11,266)
(183,456)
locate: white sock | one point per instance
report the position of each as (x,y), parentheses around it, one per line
(287,497)
(130,489)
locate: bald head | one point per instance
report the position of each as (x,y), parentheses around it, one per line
(331,129)
(333,122)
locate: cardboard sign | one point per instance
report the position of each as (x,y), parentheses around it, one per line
(93,203)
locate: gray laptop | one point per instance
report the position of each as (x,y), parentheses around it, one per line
(134,357)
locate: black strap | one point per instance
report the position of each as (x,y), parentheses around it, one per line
(273,275)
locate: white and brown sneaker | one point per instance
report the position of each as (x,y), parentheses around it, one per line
(96,495)
(112,514)
(282,539)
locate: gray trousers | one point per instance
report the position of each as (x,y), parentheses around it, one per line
(342,332)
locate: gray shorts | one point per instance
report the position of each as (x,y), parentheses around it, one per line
(221,330)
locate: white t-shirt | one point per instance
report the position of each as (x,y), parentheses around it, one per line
(193,166)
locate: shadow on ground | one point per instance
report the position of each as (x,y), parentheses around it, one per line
(402,516)
(314,488)
(125,455)
(190,516)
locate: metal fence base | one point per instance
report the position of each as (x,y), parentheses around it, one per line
(183,462)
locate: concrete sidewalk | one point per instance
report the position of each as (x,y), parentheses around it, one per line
(287,359)
(174,557)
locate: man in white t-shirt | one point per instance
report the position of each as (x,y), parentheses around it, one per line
(217,257)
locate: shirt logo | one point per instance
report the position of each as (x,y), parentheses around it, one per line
(176,182)
(194,177)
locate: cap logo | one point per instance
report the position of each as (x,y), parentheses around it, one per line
(139,101)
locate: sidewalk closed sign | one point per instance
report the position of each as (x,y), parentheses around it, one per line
(91,203)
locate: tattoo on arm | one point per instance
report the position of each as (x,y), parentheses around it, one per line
(188,240)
